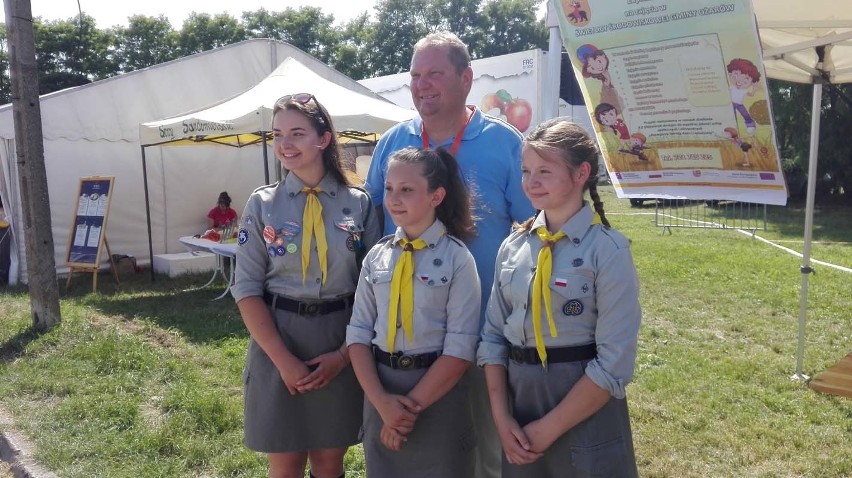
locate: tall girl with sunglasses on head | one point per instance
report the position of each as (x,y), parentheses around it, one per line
(415,324)
(559,342)
(301,242)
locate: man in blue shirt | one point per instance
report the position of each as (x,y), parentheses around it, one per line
(489,153)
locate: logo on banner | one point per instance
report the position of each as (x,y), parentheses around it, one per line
(767,176)
(696,173)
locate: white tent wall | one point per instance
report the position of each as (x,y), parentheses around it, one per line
(183,185)
(93,130)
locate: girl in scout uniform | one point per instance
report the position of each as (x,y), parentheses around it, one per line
(301,244)
(559,341)
(415,324)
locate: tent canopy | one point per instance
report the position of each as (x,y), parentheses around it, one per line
(791,30)
(242,119)
(807,43)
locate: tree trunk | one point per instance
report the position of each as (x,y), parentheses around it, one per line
(35,210)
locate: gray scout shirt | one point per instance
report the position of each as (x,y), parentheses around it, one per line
(594,297)
(446,297)
(348,215)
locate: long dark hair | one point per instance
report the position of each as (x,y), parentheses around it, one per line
(571,143)
(321,121)
(441,170)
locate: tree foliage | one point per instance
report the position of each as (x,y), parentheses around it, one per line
(74,52)
(791,104)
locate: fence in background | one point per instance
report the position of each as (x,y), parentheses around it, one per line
(671,213)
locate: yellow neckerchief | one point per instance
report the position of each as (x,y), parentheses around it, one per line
(402,291)
(541,286)
(313,226)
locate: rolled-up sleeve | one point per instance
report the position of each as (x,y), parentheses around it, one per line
(619,317)
(252,260)
(463,309)
(493,347)
(361,328)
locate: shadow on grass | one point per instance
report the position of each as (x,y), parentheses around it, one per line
(13,348)
(166,303)
(832,223)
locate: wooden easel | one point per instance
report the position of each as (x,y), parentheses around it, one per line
(88,229)
(95,269)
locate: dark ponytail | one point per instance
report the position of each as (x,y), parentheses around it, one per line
(441,170)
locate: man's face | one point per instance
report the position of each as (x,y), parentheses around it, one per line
(436,88)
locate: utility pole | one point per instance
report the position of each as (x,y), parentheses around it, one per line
(35,203)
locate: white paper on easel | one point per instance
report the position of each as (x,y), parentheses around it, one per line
(102,202)
(94,236)
(80,235)
(92,209)
(83,205)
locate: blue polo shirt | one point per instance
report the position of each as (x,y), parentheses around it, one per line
(490,160)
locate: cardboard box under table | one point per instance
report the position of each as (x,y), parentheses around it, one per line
(184,263)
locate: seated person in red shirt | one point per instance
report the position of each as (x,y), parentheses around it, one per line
(222,214)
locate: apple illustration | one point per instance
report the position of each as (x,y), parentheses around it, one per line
(519,114)
(492,101)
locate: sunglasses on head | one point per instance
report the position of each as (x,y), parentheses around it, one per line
(303,99)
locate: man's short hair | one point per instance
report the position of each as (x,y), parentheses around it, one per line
(456,49)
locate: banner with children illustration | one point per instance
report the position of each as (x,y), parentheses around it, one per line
(677,95)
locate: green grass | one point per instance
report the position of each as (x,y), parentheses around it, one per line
(143,380)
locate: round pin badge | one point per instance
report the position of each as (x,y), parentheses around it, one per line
(292,248)
(280,251)
(268,234)
(272,250)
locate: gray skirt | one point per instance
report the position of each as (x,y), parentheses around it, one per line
(600,446)
(443,439)
(277,422)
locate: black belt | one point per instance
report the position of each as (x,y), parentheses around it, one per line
(401,361)
(529,355)
(307,308)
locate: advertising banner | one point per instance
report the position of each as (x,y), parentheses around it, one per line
(677,95)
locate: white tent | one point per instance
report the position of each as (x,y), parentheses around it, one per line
(247,118)
(239,120)
(94,130)
(807,43)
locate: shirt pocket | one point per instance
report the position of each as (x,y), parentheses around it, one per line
(572,296)
(433,283)
(380,280)
(347,243)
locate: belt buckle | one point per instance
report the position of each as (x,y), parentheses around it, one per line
(308,309)
(405,362)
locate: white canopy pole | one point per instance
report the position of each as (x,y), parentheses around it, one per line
(816,108)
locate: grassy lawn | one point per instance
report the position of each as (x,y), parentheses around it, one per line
(143,380)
